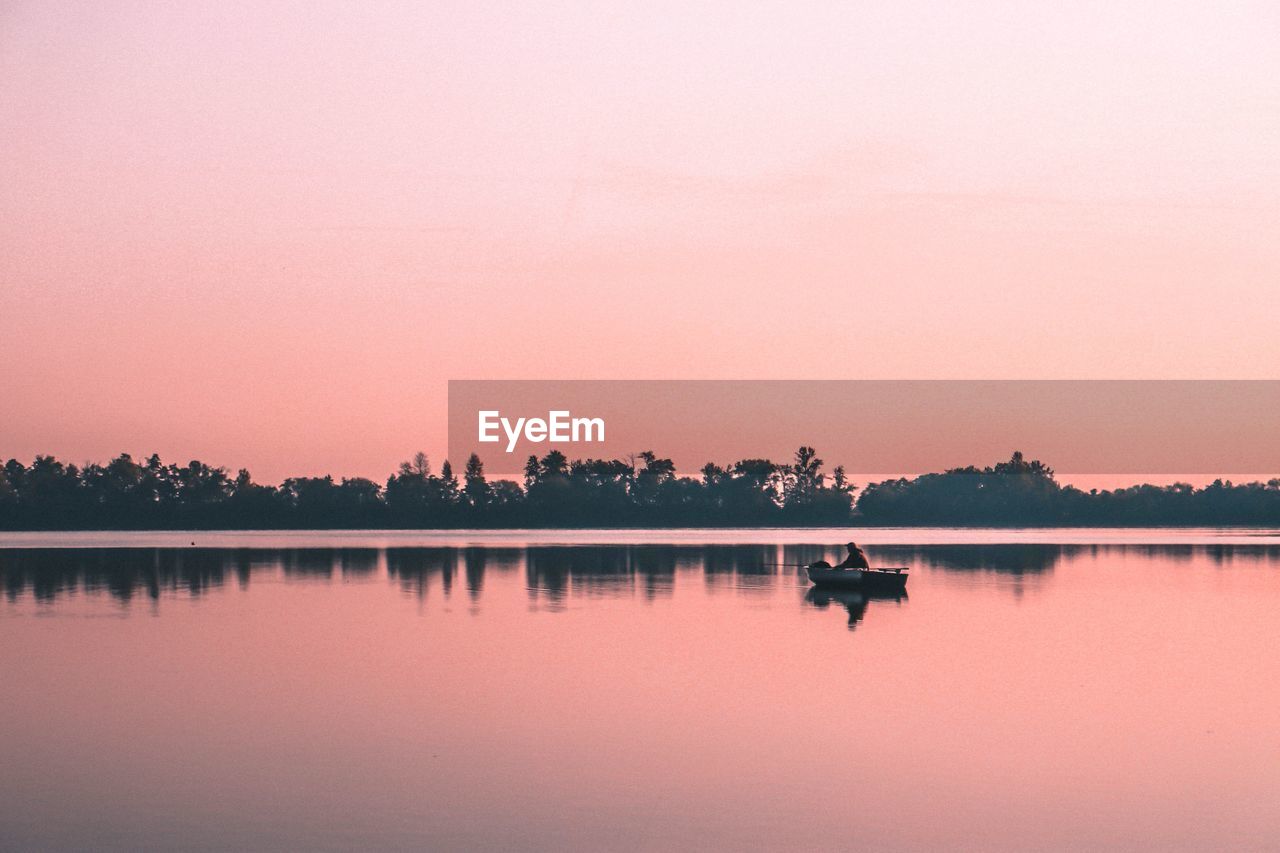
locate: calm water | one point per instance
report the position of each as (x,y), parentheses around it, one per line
(639,690)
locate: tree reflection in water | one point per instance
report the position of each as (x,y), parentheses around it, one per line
(551,572)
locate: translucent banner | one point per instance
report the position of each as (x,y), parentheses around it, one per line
(1220,427)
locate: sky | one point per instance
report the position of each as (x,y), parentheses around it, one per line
(267,235)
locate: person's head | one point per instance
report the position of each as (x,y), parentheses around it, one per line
(852,546)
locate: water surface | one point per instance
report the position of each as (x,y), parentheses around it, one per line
(638,690)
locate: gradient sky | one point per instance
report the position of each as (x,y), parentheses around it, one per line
(265,235)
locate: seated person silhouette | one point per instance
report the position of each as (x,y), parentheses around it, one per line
(855,560)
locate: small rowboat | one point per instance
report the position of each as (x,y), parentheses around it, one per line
(870,579)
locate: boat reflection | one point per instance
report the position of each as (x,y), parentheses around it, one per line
(854,601)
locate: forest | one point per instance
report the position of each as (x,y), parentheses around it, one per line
(643,491)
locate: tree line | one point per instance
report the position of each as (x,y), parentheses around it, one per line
(557,492)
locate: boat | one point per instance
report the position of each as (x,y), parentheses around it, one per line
(889,579)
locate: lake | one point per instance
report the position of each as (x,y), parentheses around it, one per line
(628,690)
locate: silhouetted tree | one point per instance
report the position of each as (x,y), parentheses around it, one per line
(475,486)
(449,492)
(1013,492)
(417,498)
(803,479)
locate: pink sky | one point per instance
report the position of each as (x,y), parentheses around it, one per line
(267,235)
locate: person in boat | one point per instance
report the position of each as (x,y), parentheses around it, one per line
(856,559)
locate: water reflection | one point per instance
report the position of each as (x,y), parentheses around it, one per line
(328,562)
(413,568)
(315,698)
(853,601)
(121,572)
(551,573)
(1013,559)
(1251,554)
